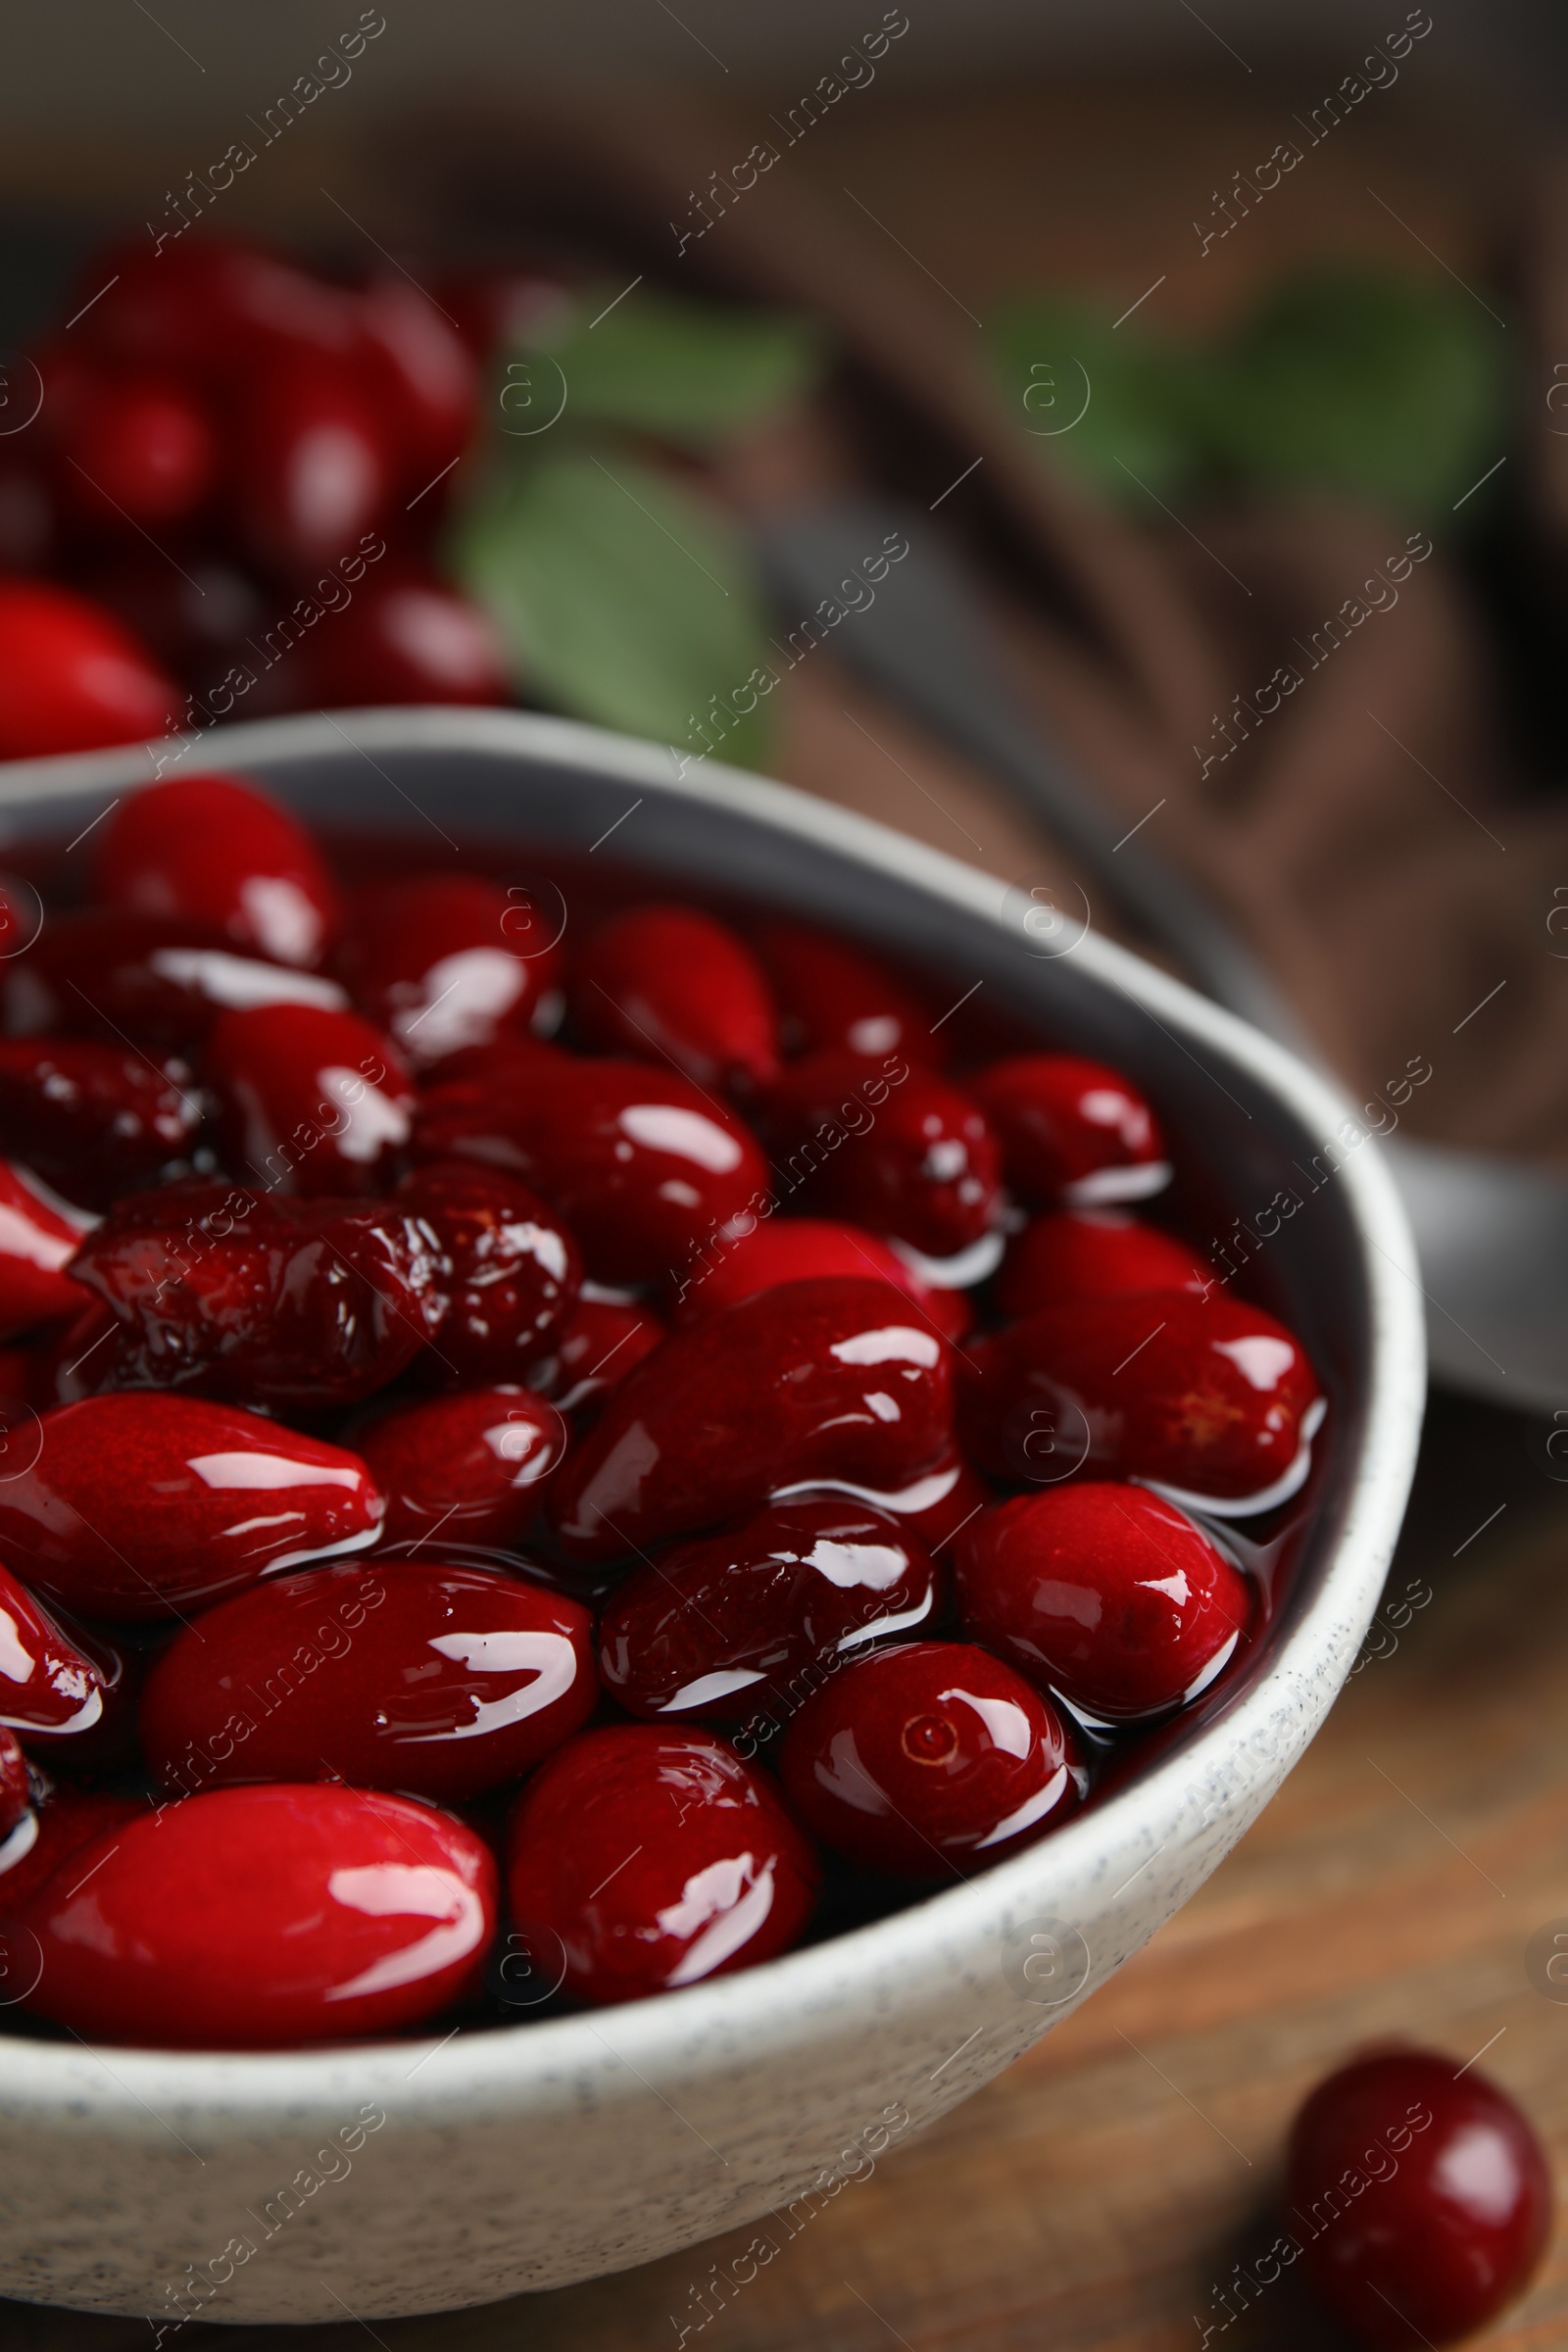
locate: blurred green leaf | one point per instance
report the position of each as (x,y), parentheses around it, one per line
(1375,383)
(1108,404)
(1372,384)
(690,372)
(619,597)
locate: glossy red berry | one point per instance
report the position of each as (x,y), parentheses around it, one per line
(1420,2196)
(747,1624)
(1085,1253)
(413,1675)
(818,1380)
(257,1297)
(761,1508)
(39,1236)
(50,1685)
(155,981)
(930,1510)
(473,1081)
(507,1270)
(73,678)
(435,964)
(23,1383)
(600,1344)
(93,1119)
(71,1362)
(657,1859)
(666,983)
(422,374)
(256,1918)
(405,640)
(138,453)
(216,851)
(68,1818)
(143,1506)
(468,1468)
(16,1801)
(1072,1132)
(210,310)
(1214,1403)
(313,465)
(72,382)
(310,1101)
(497,310)
(151,307)
(888,1146)
(833,996)
(194,622)
(929,1759)
(274,311)
(645,1167)
(798,1250)
(1104,1595)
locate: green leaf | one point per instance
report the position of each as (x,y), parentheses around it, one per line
(1111,407)
(1371,385)
(618,596)
(690,372)
(1374,383)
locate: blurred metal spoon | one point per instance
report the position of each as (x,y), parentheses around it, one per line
(1492,1233)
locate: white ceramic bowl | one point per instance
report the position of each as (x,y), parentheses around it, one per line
(422,2176)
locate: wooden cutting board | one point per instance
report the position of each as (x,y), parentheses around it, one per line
(1097,2195)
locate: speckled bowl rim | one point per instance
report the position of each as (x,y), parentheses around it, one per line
(772,2007)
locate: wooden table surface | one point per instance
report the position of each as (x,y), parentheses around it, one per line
(1096,2196)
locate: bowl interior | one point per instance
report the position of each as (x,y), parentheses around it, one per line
(1261,1149)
